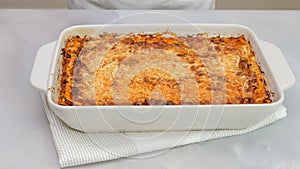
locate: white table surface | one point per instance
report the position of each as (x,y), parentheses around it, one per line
(25,136)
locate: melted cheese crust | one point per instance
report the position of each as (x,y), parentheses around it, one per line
(155,69)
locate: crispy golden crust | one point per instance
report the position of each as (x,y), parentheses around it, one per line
(153,69)
(70,55)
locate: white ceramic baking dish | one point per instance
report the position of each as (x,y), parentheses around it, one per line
(171,117)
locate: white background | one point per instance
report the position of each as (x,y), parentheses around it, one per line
(220,4)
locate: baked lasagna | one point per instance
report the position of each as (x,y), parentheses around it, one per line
(160,69)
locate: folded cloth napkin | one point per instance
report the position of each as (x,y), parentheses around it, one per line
(78,148)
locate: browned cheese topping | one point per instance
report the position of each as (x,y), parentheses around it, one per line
(160,69)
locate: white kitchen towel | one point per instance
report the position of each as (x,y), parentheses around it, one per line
(78,148)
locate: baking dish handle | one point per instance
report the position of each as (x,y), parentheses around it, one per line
(279,65)
(41,67)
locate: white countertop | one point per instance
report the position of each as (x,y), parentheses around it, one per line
(25,136)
